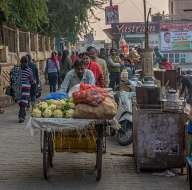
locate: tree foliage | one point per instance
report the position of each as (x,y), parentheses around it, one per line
(69,17)
(26,14)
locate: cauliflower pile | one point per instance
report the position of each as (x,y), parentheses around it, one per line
(54,109)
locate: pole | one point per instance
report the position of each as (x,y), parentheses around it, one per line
(147,29)
(111,4)
(145,21)
(148,53)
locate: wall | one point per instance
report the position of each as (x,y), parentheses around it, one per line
(180,9)
(17,43)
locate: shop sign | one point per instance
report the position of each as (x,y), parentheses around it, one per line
(137,27)
(176,27)
(176,41)
(111,14)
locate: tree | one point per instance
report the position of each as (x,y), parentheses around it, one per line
(68,17)
(4,6)
(72,17)
(26,14)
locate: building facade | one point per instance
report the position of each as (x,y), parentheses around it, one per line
(180,9)
(134,34)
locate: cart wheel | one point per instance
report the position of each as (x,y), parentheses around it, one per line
(99,160)
(46,155)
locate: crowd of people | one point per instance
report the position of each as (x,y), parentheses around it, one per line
(64,71)
(91,67)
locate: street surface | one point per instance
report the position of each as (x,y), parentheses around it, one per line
(21,165)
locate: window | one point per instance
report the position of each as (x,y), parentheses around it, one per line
(166,55)
(183,58)
(177,58)
(171,57)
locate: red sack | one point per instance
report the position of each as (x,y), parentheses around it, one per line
(84,86)
(90,95)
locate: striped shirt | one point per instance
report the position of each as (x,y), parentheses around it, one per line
(26,81)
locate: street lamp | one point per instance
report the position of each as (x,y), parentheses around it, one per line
(148,79)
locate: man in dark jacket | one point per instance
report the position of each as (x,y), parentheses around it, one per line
(34,86)
(65,65)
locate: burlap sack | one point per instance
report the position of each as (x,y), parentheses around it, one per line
(106,110)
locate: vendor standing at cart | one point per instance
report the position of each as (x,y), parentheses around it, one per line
(76,76)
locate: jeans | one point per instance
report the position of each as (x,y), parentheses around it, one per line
(22,111)
(114,79)
(53,80)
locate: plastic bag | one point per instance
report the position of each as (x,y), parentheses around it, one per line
(56,96)
(91,97)
(106,110)
(75,88)
(89,94)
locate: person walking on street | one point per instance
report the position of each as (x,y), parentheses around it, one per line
(65,65)
(74,57)
(92,51)
(34,86)
(59,57)
(95,68)
(26,80)
(52,69)
(103,54)
(114,64)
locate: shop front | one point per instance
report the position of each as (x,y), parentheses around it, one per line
(134,34)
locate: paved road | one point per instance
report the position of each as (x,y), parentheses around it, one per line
(21,166)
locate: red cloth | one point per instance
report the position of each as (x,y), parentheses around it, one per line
(59,58)
(166,65)
(74,58)
(98,73)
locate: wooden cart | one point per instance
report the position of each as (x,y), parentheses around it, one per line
(52,136)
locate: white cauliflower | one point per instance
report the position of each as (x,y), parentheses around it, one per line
(36,113)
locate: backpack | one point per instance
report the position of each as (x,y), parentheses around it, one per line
(15,76)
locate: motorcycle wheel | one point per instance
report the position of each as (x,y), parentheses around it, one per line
(125,133)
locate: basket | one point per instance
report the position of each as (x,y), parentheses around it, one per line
(75,141)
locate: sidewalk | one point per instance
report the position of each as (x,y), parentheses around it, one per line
(21,165)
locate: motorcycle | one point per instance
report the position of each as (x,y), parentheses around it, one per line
(124,133)
(124,116)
